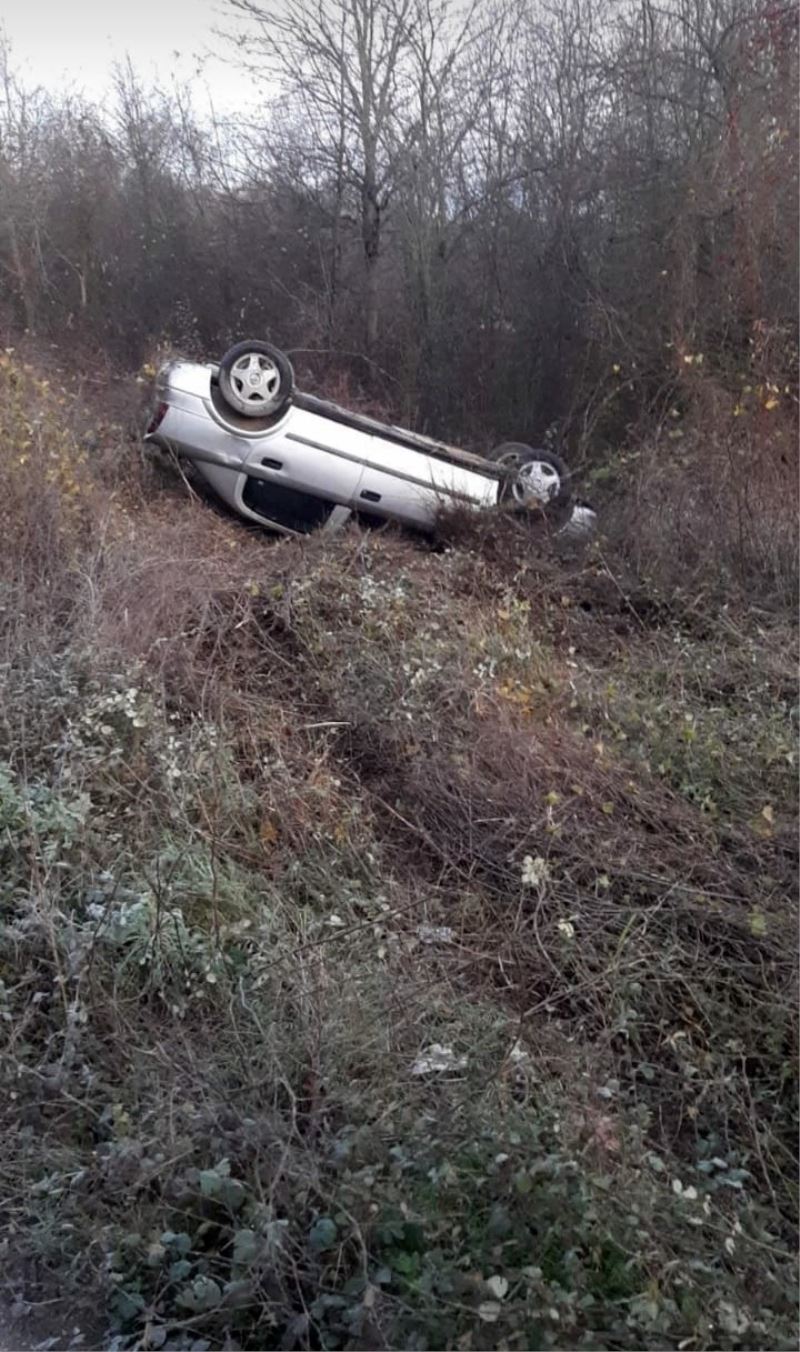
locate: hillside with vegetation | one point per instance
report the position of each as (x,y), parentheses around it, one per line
(398,941)
(398,936)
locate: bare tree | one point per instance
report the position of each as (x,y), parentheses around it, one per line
(23,115)
(341,64)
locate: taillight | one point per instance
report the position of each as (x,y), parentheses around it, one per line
(157,419)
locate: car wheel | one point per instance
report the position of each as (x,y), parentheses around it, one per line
(256,379)
(536,478)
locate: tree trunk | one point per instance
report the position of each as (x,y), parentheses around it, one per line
(22,279)
(371,239)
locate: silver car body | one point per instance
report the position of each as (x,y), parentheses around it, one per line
(343,461)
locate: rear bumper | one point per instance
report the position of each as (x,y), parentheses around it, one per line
(201,454)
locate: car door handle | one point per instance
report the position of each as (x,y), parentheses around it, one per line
(369,496)
(272,464)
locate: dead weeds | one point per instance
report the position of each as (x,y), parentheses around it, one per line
(281,818)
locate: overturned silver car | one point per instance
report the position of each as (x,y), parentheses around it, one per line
(293,462)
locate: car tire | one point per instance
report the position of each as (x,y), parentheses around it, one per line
(539,478)
(256,379)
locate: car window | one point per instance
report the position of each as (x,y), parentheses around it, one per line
(287,507)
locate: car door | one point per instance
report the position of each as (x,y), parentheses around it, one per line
(310,454)
(411,486)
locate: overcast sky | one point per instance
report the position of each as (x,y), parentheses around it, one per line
(76,42)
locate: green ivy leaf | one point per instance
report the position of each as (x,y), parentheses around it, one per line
(209,1182)
(212,1180)
(232,1193)
(128,1304)
(245,1248)
(322,1234)
(406,1263)
(203,1294)
(180,1242)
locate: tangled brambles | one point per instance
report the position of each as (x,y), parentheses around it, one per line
(397,944)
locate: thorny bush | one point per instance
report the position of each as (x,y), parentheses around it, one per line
(396,942)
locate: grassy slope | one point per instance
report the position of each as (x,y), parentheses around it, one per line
(276,818)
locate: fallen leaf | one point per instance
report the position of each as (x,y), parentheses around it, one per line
(605,1135)
(758,924)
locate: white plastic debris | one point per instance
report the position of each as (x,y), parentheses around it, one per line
(435,934)
(437,1058)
